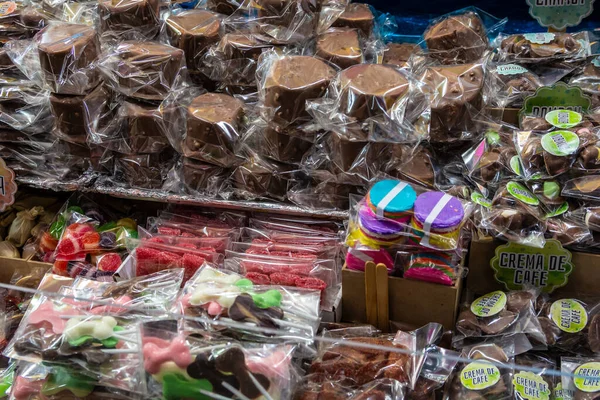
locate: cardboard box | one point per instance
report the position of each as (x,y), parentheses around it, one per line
(584,279)
(8,266)
(409,302)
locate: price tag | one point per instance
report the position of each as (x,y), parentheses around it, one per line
(8,187)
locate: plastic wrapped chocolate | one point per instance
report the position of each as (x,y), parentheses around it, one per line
(202,178)
(70,112)
(578,378)
(144,70)
(288,81)
(457,39)
(143,170)
(194,31)
(292,21)
(544,47)
(68,54)
(412,164)
(514,83)
(257,177)
(515,214)
(588,80)
(325,194)
(398,53)
(24,106)
(341,47)
(356,16)
(124,16)
(456,92)
(213,123)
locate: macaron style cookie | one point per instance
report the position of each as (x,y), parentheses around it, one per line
(392,199)
(437,214)
(382,230)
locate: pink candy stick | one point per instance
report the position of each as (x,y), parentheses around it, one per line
(46,313)
(157,352)
(24,388)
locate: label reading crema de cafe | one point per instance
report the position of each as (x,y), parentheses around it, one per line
(587,377)
(479,376)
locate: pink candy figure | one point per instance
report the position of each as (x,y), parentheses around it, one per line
(158,351)
(24,388)
(102,310)
(47,313)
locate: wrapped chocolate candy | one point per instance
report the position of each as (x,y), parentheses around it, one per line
(497,314)
(340,47)
(544,47)
(513,83)
(580,378)
(515,214)
(457,39)
(356,16)
(570,324)
(539,383)
(398,53)
(125,16)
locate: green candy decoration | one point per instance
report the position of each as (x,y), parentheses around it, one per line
(63,379)
(270,298)
(57,227)
(244,284)
(6,383)
(176,387)
(492,137)
(551,190)
(107,227)
(109,343)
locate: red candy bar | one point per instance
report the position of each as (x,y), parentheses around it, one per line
(163,230)
(258,279)
(284,279)
(311,283)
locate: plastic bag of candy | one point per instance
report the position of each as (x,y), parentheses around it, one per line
(180,366)
(546,47)
(268,312)
(579,379)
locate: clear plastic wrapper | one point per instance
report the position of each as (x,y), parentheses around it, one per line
(579,380)
(588,79)
(437,368)
(492,159)
(143,69)
(71,335)
(24,107)
(392,213)
(498,314)
(317,386)
(234,59)
(546,47)
(194,31)
(343,14)
(148,257)
(457,38)
(129,18)
(326,194)
(570,324)
(583,188)
(527,383)
(216,218)
(479,379)
(310,229)
(456,96)
(361,365)
(398,53)
(516,215)
(424,264)
(54,382)
(147,171)
(340,46)
(258,177)
(300,250)
(223,296)
(547,155)
(178,225)
(196,177)
(568,231)
(289,21)
(67,161)
(299,270)
(179,366)
(416,164)
(283,95)
(215,244)
(68,55)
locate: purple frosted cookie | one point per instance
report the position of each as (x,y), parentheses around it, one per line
(381,229)
(444,212)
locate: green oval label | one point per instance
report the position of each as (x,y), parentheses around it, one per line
(560,143)
(587,377)
(539,38)
(564,207)
(510,69)
(531,386)
(515,165)
(564,119)
(478,198)
(569,315)
(560,393)
(479,376)
(521,193)
(490,304)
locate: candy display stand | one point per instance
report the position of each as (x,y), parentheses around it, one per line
(375,298)
(8,266)
(583,279)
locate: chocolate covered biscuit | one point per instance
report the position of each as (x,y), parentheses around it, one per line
(544,45)
(457,39)
(193,31)
(291,81)
(370,89)
(340,47)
